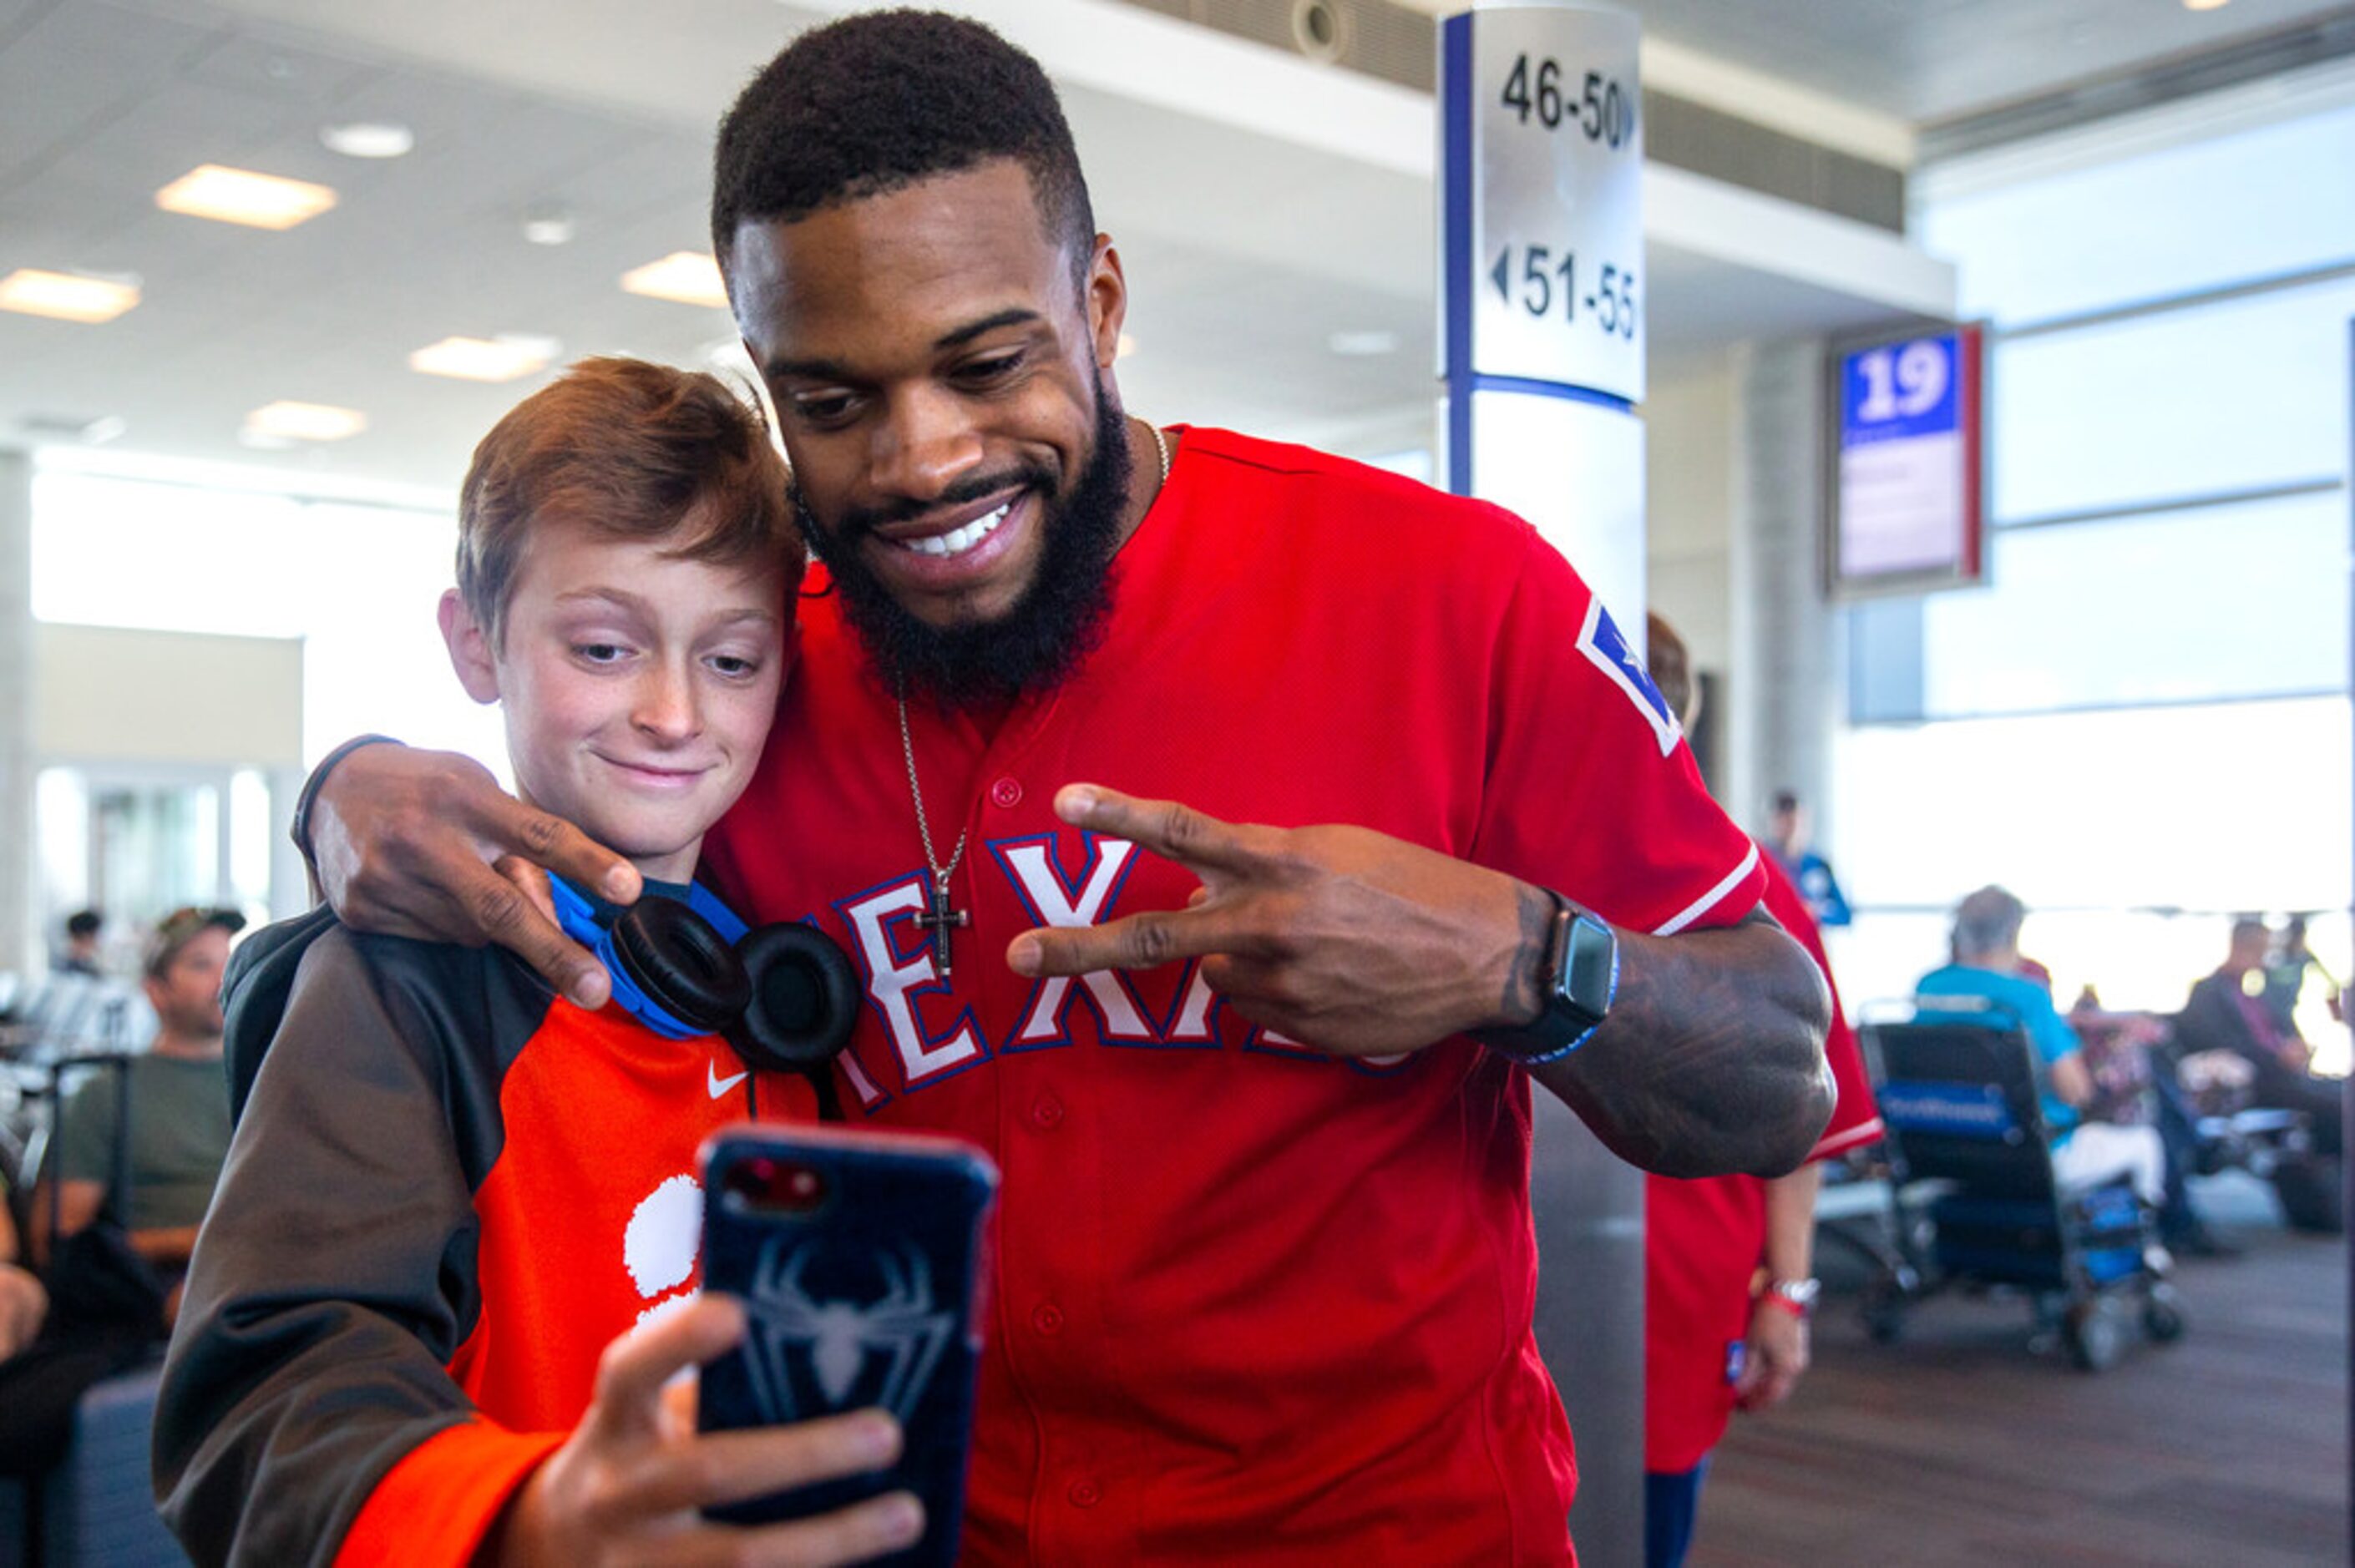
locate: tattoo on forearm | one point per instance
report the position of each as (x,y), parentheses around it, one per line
(1711,1059)
(1524,998)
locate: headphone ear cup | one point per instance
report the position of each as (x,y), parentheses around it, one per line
(679,960)
(805,999)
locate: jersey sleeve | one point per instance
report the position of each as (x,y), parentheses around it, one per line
(333,1281)
(1856,1119)
(1591,790)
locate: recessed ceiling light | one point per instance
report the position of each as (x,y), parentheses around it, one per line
(240,195)
(2205,4)
(688,277)
(550,224)
(368,139)
(1368,345)
(66,296)
(304,422)
(483,359)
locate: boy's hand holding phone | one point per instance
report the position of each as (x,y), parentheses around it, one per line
(626,1487)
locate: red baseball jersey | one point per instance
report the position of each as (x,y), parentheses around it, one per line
(1253,1303)
(1703,1240)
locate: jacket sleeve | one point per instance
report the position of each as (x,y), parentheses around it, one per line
(255,989)
(335,1278)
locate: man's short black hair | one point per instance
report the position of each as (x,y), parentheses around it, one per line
(879,100)
(83,923)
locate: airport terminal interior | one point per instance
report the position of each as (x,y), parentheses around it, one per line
(234,415)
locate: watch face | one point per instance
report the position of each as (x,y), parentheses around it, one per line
(1590,966)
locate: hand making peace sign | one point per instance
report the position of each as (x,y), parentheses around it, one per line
(1339,938)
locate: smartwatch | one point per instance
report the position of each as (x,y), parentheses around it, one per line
(1580,977)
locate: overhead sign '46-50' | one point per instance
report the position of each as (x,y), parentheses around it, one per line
(1604,112)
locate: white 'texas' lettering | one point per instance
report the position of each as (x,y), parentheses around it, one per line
(1193,1020)
(893,985)
(1042,885)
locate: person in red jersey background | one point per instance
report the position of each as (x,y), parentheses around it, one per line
(1728,1282)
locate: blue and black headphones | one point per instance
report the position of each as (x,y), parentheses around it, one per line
(682,964)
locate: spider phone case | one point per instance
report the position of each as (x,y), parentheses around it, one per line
(858,1259)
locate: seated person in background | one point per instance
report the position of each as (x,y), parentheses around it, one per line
(108,1309)
(1985,949)
(2285,978)
(178,1132)
(23,1302)
(79,1007)
(2228,1012)
(454,1194)
(2133,1078)
(80,956)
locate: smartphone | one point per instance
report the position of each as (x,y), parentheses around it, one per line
(859,1257)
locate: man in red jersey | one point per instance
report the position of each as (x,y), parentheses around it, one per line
(1729,1283)
(1227,836)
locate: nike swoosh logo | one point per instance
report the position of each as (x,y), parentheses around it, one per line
(714,1083)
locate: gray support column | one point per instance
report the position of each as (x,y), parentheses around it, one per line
(1542,386)
(19,942)
(1587,1208)
(1784,686)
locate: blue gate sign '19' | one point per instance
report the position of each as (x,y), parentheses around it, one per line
(1909,459)
(1900,390)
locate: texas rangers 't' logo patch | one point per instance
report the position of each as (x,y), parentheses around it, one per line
(1600,641)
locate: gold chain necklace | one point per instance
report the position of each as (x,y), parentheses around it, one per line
(1161,447)
(941,919)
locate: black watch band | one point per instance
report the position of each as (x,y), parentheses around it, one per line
(1576,985)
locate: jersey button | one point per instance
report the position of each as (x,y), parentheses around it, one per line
(1045,1113)
(1084,1494)
(1005,794)
(1048,1319)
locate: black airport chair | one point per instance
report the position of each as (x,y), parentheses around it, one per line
(1964,1115)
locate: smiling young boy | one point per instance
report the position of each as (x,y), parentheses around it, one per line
(453,1195)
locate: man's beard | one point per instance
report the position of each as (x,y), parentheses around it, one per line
(1056,622)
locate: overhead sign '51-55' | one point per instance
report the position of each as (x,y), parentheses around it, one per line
(1545,283)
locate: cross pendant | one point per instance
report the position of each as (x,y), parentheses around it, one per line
(938,924)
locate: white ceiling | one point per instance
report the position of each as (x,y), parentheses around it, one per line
(1926,61)
(1242,265)
(1246,249)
